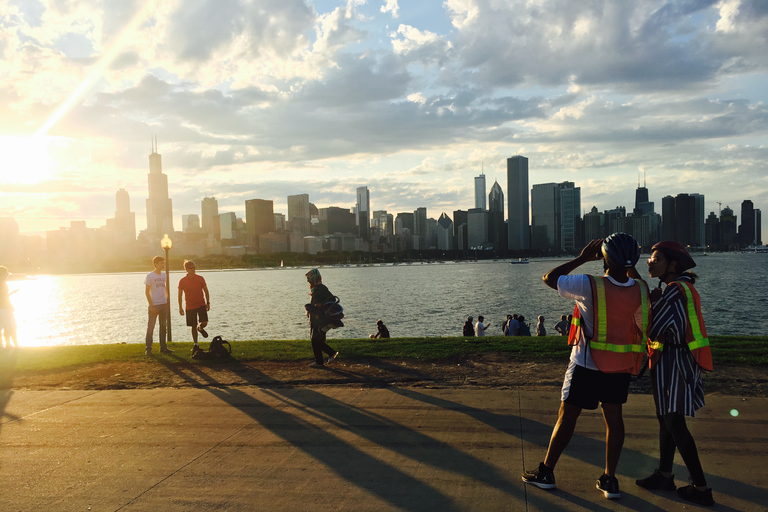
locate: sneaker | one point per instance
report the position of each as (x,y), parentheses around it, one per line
(317,365)
(689,493)
(332,358)
(542,477)
(657,481)
(202,331)
(610,487)
(166,350)
(148,352)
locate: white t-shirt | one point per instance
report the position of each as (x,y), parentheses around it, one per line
(578,288)
(156,283)
(480,328)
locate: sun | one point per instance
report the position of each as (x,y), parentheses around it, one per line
(26,159)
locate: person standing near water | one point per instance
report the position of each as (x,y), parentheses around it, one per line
(679,350)
(608,338)
(157,296)
(193,286)
(320,296)
(7,321)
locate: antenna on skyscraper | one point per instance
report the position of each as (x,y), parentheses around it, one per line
(644,179)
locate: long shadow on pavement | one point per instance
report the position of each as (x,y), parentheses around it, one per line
(357,467)
(515,425)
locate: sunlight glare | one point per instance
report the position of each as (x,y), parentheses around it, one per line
(26,159)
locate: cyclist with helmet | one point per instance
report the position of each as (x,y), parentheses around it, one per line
(320,295)
(608,336)
(679,350)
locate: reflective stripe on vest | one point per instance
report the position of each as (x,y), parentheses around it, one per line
(699,339)
(601,321)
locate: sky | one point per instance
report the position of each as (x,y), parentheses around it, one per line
(266,98)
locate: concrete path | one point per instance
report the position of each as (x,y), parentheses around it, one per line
(334,448)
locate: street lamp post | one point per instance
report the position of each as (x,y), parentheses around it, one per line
(166,244)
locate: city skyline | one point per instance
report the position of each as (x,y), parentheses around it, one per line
(410,100)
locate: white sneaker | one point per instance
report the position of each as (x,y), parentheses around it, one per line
(332,358)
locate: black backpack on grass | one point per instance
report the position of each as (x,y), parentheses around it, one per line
(218,349)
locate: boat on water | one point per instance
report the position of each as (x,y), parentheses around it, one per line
(520,261)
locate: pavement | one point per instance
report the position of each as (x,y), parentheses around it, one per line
(341,448)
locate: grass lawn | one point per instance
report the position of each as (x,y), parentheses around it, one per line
(726,350)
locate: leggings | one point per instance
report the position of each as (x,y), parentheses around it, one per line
(673,433)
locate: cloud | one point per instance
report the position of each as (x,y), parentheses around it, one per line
(391,7)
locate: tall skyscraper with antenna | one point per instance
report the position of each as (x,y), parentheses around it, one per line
(159,205)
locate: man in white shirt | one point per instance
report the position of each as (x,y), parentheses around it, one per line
(480,327)
(157,297)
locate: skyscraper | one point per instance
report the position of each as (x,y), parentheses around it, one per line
(363,213)
(259,217)
(545,217)
(159,205)
(299,217)
(497,231)
(210,217)
(570,216)
(124,222)
(420,230)
(444,233)
(480,192)
(747,228)
(517,204)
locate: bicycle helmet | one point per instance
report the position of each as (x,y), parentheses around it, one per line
(621,249)
(675,251)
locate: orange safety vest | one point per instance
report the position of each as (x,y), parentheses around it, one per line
(695,333)
(620,322)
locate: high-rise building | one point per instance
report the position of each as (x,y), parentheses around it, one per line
(279,222)
(497,230)
(190,223)
(683,219)
(518,222)
(747,230)
(420,230)
(210,217)
(712,231)
(594,225)
(570,216)
(758,227)
(363,213)
(444,233)
(259,217)
(460,221)
(480,192)
(556,217)
(477,229)
(299,216)
(728,234)
(228,226)
(335,220)
(698,218)
(159,205)
(124,222)
(545,217)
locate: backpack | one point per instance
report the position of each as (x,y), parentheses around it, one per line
(218,349)
(326,316)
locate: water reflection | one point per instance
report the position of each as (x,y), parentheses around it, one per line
(413,300)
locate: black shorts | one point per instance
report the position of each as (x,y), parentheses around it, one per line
(587,388)
(195,316)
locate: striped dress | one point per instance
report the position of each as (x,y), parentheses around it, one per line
(677,384)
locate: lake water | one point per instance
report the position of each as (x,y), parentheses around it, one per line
(413,300)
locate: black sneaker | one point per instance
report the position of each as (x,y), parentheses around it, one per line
(202,331)
(610,487)
(657,481)
(166,350)
(689,493)
(542,477)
